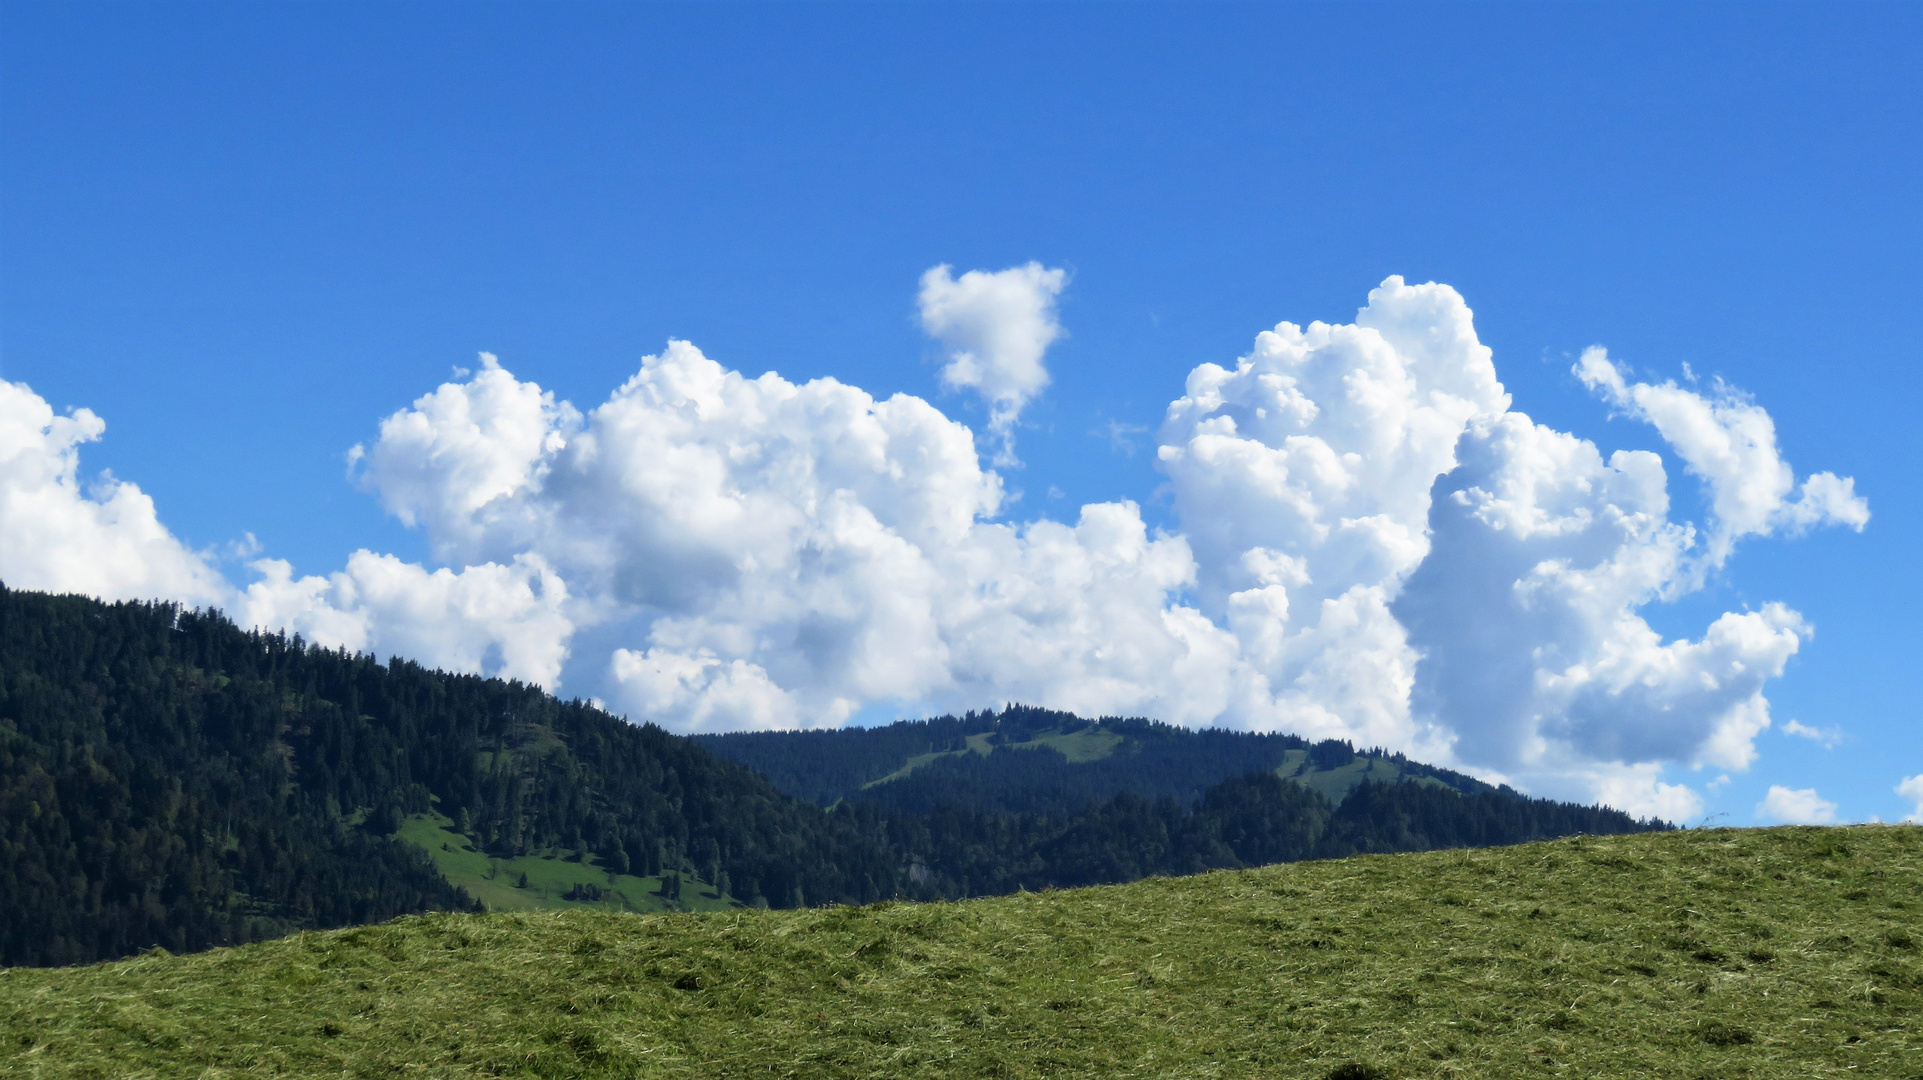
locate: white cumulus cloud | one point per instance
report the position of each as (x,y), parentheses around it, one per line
(1912,789)
(774,554)
(1302,478)
(1730,443)
(1526,611)
(507,620)
(1799,806)
(1372,544)
(462,449)
(996,327)
(105,539)
(60,534)
(1638,790)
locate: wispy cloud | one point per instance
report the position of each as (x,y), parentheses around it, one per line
(1828,737)
(1121,437)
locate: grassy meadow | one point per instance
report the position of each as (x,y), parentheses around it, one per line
(1794,952)
(546,881)
(1334,784)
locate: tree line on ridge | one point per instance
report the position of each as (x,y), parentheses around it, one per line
(168,779)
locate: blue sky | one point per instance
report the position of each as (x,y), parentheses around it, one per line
(243,234)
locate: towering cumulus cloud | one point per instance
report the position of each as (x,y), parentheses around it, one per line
(1373,545)
(1302,478)
(1525,611)
(779,554)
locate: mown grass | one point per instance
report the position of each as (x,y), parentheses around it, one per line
(1728,953)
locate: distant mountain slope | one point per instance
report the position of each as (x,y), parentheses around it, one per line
(169,779)
(1767,954)
(1027,798)
(1026,760)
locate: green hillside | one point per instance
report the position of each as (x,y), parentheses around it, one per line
(1336,782)
(1078,744)
(989,803)
(1787,953)
(1028,760)
(169,779)
(555,878)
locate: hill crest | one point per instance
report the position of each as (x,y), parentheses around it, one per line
(1775,954)
(1149,758)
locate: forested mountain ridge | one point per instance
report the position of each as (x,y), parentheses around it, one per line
(1029,760)
(992,802)
(169,779)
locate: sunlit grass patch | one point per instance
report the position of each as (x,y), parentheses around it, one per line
(550,880)
(1731,953)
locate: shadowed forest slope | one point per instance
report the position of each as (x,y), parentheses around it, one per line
(167,779)
(991,802)
(1027,760)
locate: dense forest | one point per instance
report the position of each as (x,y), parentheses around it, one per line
(1026,760)
(168,779)
(1250,820)
(990,802)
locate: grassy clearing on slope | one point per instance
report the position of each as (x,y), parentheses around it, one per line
(550,879)
(1335,784)
(1728,953)
(1079,747)
(981,743)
